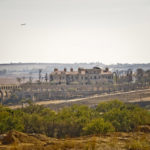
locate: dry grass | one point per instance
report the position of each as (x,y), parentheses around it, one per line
(138,145)
(113,141)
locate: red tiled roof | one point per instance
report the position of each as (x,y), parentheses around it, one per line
(72,73)
(63,72)
(76,72)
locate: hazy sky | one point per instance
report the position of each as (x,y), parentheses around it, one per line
(107,31)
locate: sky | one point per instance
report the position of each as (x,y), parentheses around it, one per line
(73,31)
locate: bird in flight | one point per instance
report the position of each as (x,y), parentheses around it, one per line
(23,24)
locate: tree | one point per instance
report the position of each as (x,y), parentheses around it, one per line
(46,77)
(115,77)
(147,76)
(107,106)
(98,126)
(19,80)
(33,123)
(10,120)
(129,75)
(40,76)
(139,74)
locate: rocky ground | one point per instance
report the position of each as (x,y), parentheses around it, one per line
(138,140)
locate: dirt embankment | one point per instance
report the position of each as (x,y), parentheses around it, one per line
(115,141)
(131,96)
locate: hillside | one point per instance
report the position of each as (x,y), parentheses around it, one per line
(115,141)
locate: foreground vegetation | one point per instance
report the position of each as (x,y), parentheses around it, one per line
(114,141)
(74,121)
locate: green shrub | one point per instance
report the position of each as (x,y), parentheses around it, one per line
(9,120)
(98,126)
(33,123)
(74,121)
(107,106)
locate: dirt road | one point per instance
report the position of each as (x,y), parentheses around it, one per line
(131,96)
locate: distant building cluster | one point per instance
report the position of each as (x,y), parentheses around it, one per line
(82,76)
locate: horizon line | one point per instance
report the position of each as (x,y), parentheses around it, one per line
(19,63)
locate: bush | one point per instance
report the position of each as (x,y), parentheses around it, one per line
(107,106)
(98,126)
(33,123)
(74,121)
(9,120)
(71,120)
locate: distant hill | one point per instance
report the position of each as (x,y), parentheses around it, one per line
(31,69)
